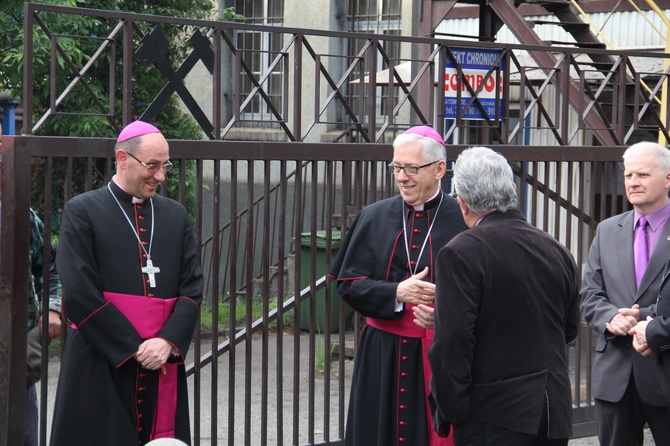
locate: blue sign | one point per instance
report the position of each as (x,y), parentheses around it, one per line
(475,64)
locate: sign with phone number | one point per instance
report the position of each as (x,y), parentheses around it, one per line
(475,64)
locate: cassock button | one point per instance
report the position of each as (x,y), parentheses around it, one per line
(403,390)
(402,423)
(150,295)
(404,358)
(402,406)
(145,243)
(412,262)
(143,230)
(401,439)
(142,389)
(141,218)
(404,341)
(418,215)
(403,374)
(416,231)
(415,247)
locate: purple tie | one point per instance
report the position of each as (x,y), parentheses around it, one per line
(641,249)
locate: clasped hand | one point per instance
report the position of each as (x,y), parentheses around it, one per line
(639,334)
(153,353)
(626,323)
(624,320)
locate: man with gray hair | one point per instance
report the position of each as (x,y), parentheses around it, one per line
(385,271)
(621,284)
(507,297)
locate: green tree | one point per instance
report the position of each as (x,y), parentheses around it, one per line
(80,113)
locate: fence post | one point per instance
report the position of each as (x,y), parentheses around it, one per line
(14,247)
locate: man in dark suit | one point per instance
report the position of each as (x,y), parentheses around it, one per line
(652,337)
(507,300)
(616,295)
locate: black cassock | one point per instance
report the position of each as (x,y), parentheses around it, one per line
(388,392)
(104,397)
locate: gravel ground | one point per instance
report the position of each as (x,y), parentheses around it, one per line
(593,441)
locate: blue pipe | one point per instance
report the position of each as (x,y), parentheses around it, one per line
(9,107)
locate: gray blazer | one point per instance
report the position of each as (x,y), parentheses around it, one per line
(609,284)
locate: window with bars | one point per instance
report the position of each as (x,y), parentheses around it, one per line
(259,50)
(376,17)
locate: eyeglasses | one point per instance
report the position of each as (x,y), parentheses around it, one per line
(410,171)
(152,168)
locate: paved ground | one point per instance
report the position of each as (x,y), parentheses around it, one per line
(593,441)
(252,399)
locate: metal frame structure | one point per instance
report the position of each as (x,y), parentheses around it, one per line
(255,200)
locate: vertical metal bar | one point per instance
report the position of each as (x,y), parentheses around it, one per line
(327,177)
(317,87)
(371,97)
(47,260)
(615,187)
(297,288)
(127,71)
(249,298)
(297,95)
(534,198)
(197,338)
(233,300)
(522,105)
(564,110)
(28,77)
(281,293)
(525,187)
(112,76)
(545,198)
(344,211)
(15,182)
(314,328)
(216,87)
(265,271)
(557,201)
(53,78)
(390,89)
(439,91)
(215,296)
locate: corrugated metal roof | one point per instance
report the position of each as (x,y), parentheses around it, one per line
(624,30)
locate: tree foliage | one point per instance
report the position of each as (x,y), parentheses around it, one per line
(82,110)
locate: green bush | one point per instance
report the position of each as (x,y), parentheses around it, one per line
(81,106)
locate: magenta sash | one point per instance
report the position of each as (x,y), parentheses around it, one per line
(148,315)
(407,328)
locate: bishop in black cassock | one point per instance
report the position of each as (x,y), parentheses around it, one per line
(389,242)
(105,395)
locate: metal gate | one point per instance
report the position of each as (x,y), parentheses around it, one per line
(271,369)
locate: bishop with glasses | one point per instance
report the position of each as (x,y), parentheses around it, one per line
(132,288)
(385,271)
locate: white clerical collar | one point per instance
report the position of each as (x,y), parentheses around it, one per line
(135,199)
(419,207)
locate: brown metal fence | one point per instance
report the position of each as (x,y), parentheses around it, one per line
(268,376)
(267,214)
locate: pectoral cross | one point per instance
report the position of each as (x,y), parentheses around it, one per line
(151,271)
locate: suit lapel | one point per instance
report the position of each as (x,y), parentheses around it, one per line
(624,236)
(657,260)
